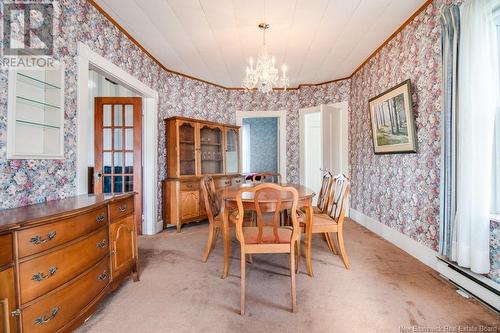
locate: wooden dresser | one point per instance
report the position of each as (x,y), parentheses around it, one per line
(59,259)
(196,148)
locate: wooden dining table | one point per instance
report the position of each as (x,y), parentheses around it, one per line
(228,195)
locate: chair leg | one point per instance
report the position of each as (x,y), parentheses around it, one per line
(209,242)
(327,239)
(242,290)
(343,253)
(217,232)
(292,277)
(331,244)
(299,254)
(334,246)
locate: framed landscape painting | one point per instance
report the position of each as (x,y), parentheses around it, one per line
(392,121)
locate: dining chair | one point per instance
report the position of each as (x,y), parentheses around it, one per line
(322,203)
(213,209)
(332,219)
(267,177)
(322,200)
(268,238)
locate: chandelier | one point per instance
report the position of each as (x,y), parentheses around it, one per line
(264,76)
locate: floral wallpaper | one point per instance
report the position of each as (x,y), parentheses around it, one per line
(401,191)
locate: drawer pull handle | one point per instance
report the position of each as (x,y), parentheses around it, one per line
(103,276)
(122,209)
(101,244)
(37,240)
(42,319)
(100,218)
(41,276)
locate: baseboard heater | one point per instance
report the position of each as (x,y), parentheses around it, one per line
(483,289)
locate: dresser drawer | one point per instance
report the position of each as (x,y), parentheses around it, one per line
(53,312)
(189,186)
(45,273)
(44,237)
(6,253)
(121,208)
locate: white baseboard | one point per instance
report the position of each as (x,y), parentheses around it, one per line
(405,243)
(429,258)
(157,227)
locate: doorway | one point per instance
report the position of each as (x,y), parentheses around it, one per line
(86,60)
(263,141)
(323,142)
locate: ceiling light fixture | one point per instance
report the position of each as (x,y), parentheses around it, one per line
(264,76)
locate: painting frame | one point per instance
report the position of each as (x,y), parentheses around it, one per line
(393,129)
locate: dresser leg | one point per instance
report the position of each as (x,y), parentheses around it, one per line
(179,227)
(135,272)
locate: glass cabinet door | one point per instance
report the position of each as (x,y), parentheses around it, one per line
(211,150)
(187,150)
(232,156)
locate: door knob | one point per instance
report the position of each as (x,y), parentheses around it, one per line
(98,177)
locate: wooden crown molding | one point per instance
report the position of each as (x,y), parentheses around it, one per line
(373,54)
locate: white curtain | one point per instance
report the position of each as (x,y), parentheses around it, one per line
(478,86)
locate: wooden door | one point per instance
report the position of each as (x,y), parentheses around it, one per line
(190,204)
(118,148)
(8,322)
(122,245)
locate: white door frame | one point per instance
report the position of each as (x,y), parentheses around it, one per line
(88,59)
(281,115)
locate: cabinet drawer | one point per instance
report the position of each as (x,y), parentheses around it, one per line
(189,186)
(44,237)
(47,272)
(53,312)
(121,208)
(223,182)
(6,255)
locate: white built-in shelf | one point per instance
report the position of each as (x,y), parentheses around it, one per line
(35,123)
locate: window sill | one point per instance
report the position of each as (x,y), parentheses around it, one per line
(495,218)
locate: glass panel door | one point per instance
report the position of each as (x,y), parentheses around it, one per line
(232,156)
(187,155)
(211,150)
(118,148)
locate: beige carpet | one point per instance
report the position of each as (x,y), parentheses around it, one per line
(385,291)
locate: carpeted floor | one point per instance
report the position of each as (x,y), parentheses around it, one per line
(386,290)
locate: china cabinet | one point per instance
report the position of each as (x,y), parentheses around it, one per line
(196,148)
(35,126)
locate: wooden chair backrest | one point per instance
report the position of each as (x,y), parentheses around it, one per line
(337,201)
(268,198)
(267,177)
(212,201)
(323,195)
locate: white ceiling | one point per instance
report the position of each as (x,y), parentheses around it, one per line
(318,40)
